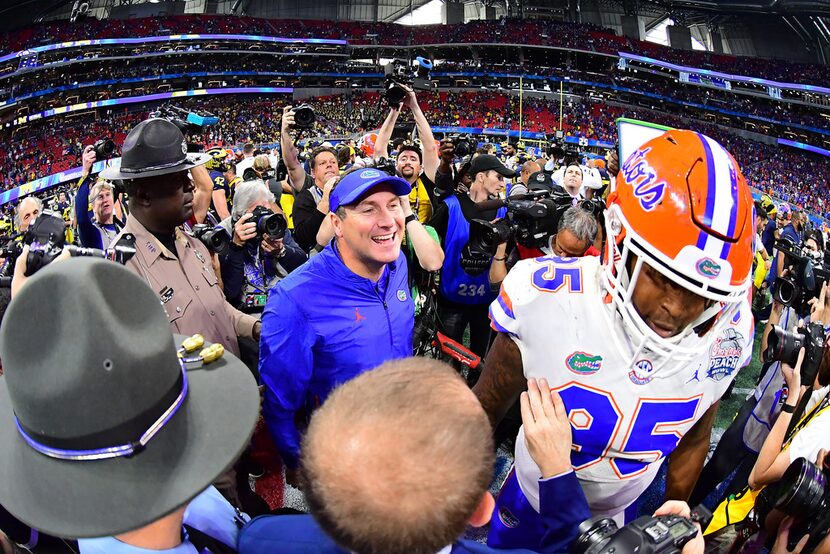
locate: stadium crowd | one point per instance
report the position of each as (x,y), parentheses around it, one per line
(799,178)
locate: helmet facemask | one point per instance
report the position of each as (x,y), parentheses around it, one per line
(626,250)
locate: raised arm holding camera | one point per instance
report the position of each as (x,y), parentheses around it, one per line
(416,166)
(99,229)
(312,191)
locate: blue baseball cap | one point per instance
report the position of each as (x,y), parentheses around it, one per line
(356,184)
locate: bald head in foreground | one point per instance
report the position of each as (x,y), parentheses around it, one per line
(399,460)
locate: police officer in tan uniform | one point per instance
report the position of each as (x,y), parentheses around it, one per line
(155,169)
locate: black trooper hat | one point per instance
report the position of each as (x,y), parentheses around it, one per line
(154,147)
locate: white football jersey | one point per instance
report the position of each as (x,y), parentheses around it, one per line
(625,420)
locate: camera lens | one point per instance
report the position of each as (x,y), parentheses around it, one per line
(594,533)
(799,492)
(784,292)
(783,345)
(273,225)
(304,116)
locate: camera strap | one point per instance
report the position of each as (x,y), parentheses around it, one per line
(817,410)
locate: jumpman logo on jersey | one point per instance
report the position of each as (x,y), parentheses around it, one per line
(695,377)
(357,317)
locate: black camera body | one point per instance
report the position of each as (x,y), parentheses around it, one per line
(189,122)
(531,220)
(46,238)
(250,174)
(399,74)
(104,149)
(304,116)
(807,277)
(464,144)
(215,238)
(803,493)
(558,149)
(783,346)
(644,535)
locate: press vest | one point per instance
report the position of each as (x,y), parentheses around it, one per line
(456,284)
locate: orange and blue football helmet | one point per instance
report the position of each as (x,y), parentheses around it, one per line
(681,205)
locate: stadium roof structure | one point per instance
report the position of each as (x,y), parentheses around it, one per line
(807,19)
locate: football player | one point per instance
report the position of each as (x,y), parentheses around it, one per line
(222,192)
(641,346)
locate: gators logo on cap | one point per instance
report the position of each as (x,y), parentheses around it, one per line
(369,174)
(583,363)
(708,268)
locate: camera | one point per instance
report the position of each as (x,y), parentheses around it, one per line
(783,346)
(644,535)
(304,116)
(189,122)
(464,144)
(558,149)
(531,220)
(807,276)
(104,149)
(267,223)
(215,238)
(251,174)
(46,237)
(802,492)
(399,74)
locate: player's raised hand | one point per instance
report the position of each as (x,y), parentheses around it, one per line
(547,429)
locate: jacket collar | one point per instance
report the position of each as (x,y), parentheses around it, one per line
(341,270)
(146,243)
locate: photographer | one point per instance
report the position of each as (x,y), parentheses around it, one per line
(791,436)
(264,171)
(311,204)
(416,167)
(255,262)
(529,168)
(247,159)
(99,229)
(574,238)
(789,224)
(26,212)
(465,292)
(743,439)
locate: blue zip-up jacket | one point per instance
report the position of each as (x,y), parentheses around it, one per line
(90,235)
(322,326)
(562,503)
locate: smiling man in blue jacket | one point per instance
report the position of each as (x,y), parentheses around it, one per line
(344,312)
